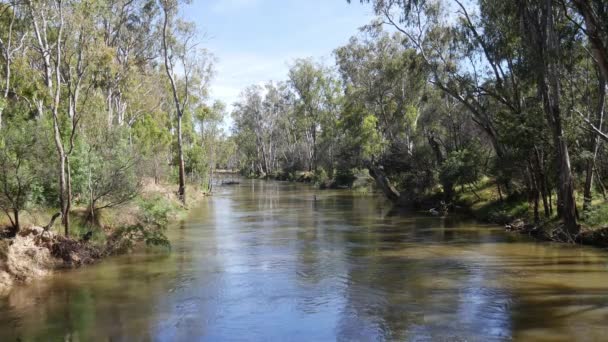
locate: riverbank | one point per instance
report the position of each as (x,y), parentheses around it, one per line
(35,252)
(485,204)
(358,180)
(482,202)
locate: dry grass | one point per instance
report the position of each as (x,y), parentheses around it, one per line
(111,218)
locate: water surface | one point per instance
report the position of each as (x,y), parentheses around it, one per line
(269,261)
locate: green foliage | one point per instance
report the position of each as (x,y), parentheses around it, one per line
(152,236)
(344,177)
(156,210)
(320,177)
(153,220)
(462,167)
(110,174)
(597,215)
(504,212)
(17,167)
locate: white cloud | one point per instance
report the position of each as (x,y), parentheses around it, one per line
(235,72)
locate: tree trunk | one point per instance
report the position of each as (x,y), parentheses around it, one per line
(447,185)
(539,26)
(52,221)
(601,184)
(383,182)
(593,22)
(587,196)
(62,172)
(182,171)
(68,205)
(595,146)
(179,107)
(533,190)
(17,225)
(566,201)
(314,147)
(539,165)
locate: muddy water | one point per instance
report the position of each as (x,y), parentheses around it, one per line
(267,261)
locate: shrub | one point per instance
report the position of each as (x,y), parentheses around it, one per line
(320,177)
(345,177)
(17,169)
(596,215)
(156,210)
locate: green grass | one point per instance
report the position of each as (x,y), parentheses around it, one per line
(485,204)
(483,200)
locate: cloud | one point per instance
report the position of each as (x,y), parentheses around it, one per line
(223,6)
(236,71)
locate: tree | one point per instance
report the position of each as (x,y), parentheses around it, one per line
(595,16)
(111,177)
(178,47)
(310,84)
(10,44)
(46,17)
(540,26)
(17,169)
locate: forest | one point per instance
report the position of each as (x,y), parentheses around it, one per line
(433,99)
(436,99)
(414,170)
(99,97)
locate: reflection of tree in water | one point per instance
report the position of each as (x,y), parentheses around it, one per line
(390,295)
(101,302)
(378,273)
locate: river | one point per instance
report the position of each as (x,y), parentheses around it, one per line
(270,261)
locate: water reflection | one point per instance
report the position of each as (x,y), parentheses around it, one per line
(277,261)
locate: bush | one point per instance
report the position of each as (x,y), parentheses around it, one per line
(345,177)
(596,215)
(111,179)
(156,210)
(17,169)
(153,220)
(320,178)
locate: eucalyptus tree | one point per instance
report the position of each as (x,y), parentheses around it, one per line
(12,42)
(48,21)
(207,121)
(129,31)
(386,80)
(17,169)
(477,56)
(447,53)
(257,115)
(179,50)
(545,30)
(595,18)
(309,82)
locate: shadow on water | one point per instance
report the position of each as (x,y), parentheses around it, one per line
(281,261)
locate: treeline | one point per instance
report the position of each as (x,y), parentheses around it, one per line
(436,96)
(98,95)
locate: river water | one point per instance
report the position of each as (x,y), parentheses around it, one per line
(269,261)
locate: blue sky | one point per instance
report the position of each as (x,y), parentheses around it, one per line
(254,41)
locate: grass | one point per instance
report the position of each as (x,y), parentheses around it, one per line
(484,202)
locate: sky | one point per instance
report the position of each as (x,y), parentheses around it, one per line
(254,41)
